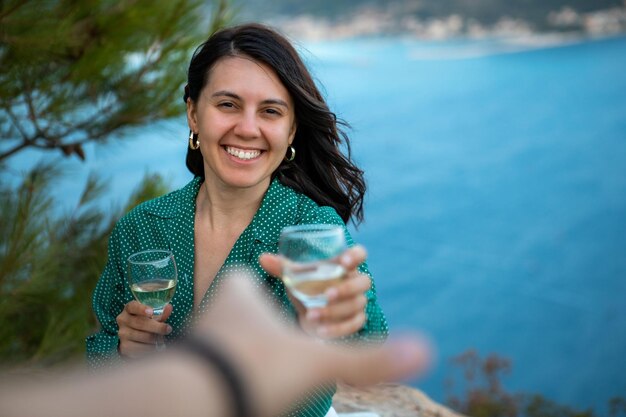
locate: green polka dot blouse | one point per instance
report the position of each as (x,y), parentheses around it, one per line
(167,222)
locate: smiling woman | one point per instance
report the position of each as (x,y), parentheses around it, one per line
(246,120)
(251,103)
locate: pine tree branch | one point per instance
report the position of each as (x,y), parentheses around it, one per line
(32,116)
(16,123)
(14,150)
(26,141)
(81,88)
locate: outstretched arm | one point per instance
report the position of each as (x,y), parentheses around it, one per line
(180,383)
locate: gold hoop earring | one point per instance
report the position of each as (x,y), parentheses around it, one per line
(194,142)
(291,154)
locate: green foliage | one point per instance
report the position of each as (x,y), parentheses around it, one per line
(481,393)
(79,71)
(74,72)
(49,265)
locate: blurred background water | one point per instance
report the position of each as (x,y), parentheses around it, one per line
(496,215)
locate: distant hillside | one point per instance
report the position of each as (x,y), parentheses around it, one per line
(486,12)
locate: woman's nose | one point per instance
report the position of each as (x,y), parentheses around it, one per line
(247,125)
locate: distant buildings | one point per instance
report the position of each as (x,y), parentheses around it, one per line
(371,22)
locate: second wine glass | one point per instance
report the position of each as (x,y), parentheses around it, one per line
(311,261)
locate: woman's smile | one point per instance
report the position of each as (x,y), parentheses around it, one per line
(243,154)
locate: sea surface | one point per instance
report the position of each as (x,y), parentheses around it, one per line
(496,214)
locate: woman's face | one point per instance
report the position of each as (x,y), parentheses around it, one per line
(244,118)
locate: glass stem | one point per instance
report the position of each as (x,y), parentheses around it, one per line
(159,344)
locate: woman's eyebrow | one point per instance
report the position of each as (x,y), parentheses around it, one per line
(276,101)
(226,93)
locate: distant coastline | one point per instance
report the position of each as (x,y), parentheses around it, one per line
(565,25)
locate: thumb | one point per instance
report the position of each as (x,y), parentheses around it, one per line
(397,359)
(166,313)
(272,264)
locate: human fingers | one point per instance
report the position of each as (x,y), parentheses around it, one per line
(397,359)
(134,349)
(142,321)
(338,311)
(271,263)
(353,285)
(350,260)
(345,312)
(133,342)
(138,329)
(332,330)
(167,310)
(285,352)
(135,308)
(352,257)
(275,350)
(127,334)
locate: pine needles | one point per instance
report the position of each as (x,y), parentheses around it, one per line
(49,264)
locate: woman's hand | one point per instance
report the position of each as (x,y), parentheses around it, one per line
(138,331)
(345,312)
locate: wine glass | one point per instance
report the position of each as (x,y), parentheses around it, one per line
(311,261)
(152,276)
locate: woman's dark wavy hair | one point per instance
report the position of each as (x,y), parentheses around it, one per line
(319,169)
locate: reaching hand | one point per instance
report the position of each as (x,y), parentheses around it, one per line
(277,366)
(281,364)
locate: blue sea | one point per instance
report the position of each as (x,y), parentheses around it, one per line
(496,215)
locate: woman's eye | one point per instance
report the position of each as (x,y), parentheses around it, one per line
(273,111)
(226,104)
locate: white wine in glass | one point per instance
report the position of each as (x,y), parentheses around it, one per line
(152,277)
(155,293)
(311,264)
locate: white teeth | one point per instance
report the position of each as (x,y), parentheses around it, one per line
(241,154)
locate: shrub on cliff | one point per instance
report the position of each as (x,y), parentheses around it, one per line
(480,392)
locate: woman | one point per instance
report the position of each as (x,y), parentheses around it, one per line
(264,150)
